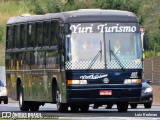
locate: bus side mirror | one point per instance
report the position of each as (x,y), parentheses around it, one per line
(145,42)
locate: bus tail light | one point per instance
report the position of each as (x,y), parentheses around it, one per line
(132,81)
(74,82)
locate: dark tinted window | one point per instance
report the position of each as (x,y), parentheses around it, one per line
(9,37)
(26,60)
(16,36)
(39,34)
(23,36)
(8,58)
(54,33)
(14,61)
(31,35)
(52,59)
(10,63)
(19,62)
(46,33)
(38,60)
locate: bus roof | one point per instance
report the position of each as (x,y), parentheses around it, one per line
(82,15)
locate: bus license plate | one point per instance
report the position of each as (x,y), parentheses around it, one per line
(105,92)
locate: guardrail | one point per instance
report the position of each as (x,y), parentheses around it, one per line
(152,70)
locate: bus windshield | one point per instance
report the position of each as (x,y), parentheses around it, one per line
(90,45)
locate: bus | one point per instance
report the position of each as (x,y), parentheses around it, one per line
(69,59)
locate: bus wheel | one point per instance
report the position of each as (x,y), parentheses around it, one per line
(122,107)
(148,105)
(34,107)
(74,108)
(61,107)
(84,108)
(133,105)
(6,101)
(95,106)
(109,106)
(22,104)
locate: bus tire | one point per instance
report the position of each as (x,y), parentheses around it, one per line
(34,107)
(133,105)
(122,106)
(23,105)
(95,106)
(6,101)
(109,106)
(84,108)
(74,108)
(148,105)
(61,107)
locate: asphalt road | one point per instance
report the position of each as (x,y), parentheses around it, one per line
(50,110)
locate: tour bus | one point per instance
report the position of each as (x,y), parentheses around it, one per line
(73,59)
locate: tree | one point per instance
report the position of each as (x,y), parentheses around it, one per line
(1,33)
(129,5)
(45,6)
(52,6)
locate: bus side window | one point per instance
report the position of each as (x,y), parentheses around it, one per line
(23,60)
(54,32)
(27,60)
(9,37)
(8,61)
(11,61)
(37,60)
(41,59)
(34,59)
(46,33)
(17,36)
(52,59)
(23,35)
(19,61)
(14,65)
(39,34)
(31,35)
